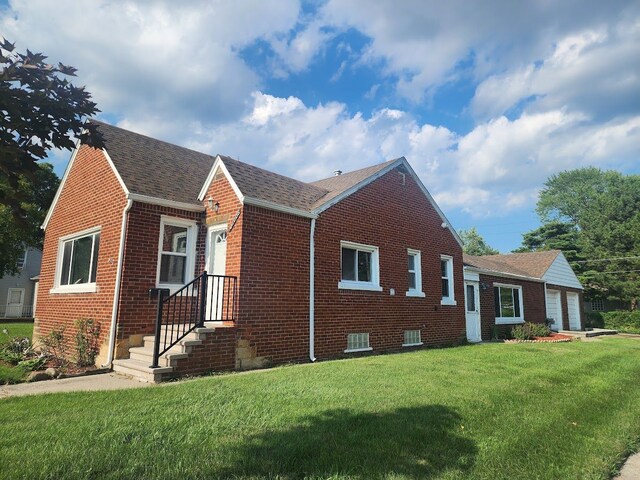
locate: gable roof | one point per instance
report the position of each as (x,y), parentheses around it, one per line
(529,264)
(150,169)
(549,266)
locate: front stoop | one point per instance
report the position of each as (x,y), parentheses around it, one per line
(138,365)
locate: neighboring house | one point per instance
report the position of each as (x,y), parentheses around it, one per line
(604,305)
(520,287)
(362,261)
(18,292)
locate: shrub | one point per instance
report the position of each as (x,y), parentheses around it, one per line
(529,331)
(624,321)
(594,320)
(54,347)
(87,347)
(16,350)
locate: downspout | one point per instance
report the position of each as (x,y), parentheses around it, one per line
(116,290)
(312,262)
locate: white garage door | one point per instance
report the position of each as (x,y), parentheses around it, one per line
(573,305)
(554,309)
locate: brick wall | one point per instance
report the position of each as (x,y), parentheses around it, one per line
(217,353)
(81,206)
(393,215)
(532,298)
(137,312)
(274,287)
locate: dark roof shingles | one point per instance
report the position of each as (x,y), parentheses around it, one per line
(528,264)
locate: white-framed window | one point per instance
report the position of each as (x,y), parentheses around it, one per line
(597,305)
(412,338)
(77,262)
(176,252)
(414,268)
(357,342)
(508,303)
(359,267)
(446,272)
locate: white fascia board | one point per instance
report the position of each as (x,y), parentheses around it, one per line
(495,273)
(219,164)
(115,171)
(61,186)
(256,202)
(431,200)
(163,202)
(358,186)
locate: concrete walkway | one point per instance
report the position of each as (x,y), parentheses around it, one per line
(631,468)
(102,381)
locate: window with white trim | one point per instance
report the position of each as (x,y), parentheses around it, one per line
(357,342)
(597,305)
(176,257)
(415,273)
(446,273)
(359,267)
(78,262)
(508,303)
(411,338)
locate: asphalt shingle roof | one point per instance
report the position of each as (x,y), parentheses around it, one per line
(159,169)
(530,264)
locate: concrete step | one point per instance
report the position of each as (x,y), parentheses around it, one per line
(166,360)
(594,332)
(140,370)
(149,341)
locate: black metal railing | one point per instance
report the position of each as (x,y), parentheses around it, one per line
(206,298)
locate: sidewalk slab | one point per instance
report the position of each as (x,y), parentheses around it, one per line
(631,468)
(89,383)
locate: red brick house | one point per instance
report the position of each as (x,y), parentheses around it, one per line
(505,290)
(360,261)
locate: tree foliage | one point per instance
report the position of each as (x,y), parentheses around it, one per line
(593,216)
(37,193)
(41,110)
(474,244)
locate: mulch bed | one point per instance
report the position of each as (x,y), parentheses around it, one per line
(553,338)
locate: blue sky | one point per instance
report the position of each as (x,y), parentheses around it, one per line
(485,99)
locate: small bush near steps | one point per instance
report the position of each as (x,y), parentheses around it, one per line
(529,331)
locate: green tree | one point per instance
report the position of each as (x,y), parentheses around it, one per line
(474,244)
(594,217)
(38,193)
(41,110)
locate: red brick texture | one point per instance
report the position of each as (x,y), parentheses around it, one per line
(217,353)
(82,206)
(532,299)
(392,214)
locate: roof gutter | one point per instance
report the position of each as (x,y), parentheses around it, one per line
(116,290)
(312,267)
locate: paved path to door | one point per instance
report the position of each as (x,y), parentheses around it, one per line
(88,383)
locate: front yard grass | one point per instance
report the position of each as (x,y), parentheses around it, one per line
(494,411)
(10,373)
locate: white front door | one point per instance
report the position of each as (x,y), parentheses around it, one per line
(554,309)
(15,301)
(573,306)
(216,265)
(471,300)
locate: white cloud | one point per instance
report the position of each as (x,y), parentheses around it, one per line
(161,65)
(493,170)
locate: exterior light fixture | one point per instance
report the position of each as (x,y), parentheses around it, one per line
(214,207)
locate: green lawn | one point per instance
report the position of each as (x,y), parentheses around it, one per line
(10,373)
(489,411)
(18,329)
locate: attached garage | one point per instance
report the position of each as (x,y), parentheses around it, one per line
(554,309)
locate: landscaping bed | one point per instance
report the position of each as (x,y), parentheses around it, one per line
(551,338)
(556,411)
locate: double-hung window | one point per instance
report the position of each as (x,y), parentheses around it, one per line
(77,262)
(415,274)
(176,256)
(359,267)
(446,269)
(508,303)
